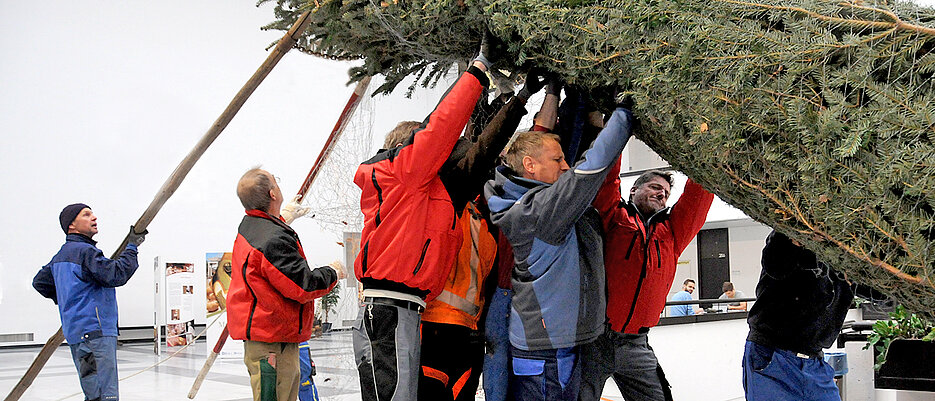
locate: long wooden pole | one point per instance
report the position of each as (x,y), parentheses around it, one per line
(285,44)
(208,363)
(336,132)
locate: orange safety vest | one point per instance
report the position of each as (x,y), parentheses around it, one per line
(462,298)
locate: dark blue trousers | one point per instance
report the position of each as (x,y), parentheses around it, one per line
(547,375)
(772,374)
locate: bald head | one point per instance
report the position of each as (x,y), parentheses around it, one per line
(257,189)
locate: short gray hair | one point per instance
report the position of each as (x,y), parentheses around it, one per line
(649,175)
(253,189)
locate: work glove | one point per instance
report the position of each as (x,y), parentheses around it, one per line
(554,86)
(339,269)
(535,81)
(136,238)
(483,55)
(625,102)
(293,210)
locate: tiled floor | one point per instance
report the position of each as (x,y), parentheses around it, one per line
(172,379)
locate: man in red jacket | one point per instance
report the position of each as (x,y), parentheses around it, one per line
(409,240)
(643,240)
(270,302)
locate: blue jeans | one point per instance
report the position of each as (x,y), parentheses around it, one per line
(96,360)
(545,375)
(772,374)
(497,359)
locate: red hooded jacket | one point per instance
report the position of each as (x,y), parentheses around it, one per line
(640,257)
(409,240)
(272,286)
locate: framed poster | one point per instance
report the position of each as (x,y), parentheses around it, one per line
(175,300)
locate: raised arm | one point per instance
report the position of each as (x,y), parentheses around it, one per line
(545,119)
(472,171)
(689,214)
(608,197)
(423,154)
(781,256)
(560,205)
(109,272)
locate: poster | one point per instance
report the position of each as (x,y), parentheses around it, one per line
(217,282)
(180,301)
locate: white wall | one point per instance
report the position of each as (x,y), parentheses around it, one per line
(101,100)
(702,361)
(746,248)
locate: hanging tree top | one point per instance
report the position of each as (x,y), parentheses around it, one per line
(814,117)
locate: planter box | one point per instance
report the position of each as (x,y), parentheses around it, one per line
(910,365)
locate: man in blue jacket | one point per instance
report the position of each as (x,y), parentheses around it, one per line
(544,209)
(81,281)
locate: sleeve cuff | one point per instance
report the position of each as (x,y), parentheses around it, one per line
(480,75)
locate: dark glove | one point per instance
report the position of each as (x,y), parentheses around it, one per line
(535,81)
(554,86)
(136,238)
(483,55)
(625,101)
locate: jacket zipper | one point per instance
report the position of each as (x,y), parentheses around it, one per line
(658,256)
(98,314)
(253,303)
(373,177)
(639,284)
(422,258)
(632,243)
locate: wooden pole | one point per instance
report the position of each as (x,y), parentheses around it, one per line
(285,44)
(208,363)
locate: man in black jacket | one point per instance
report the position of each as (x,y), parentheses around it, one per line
(800,308)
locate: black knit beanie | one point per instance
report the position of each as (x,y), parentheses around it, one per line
(69,213)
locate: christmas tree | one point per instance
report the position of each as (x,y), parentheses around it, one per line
(814,117)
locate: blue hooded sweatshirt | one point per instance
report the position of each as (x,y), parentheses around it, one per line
(81,281)
(558,274)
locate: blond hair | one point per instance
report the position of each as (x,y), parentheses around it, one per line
(528,143)
(399,134)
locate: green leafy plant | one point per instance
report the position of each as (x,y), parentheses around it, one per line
(330,300)
(904,325)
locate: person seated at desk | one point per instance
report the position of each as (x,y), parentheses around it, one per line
(731,293)
(688,287)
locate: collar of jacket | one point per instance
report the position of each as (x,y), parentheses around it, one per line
(263,215)
(509,188)
(658,217)
(75,237)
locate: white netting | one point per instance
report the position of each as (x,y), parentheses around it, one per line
(333,197)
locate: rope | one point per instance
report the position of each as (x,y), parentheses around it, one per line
(160,362)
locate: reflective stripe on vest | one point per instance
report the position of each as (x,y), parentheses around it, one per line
(462,299)
(466,303)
